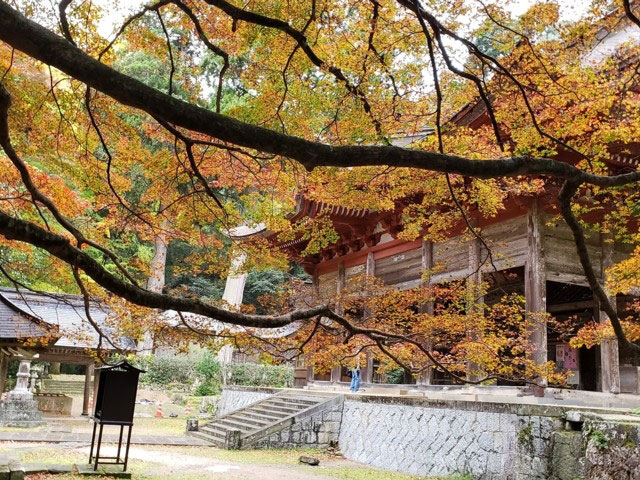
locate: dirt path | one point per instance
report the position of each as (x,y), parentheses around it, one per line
(167,463)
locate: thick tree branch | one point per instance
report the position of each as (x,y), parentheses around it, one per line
(13,228)
(39,43)
(64,23)
(36,194)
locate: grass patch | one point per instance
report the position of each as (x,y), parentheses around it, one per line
(58,456)
(266,457)
(142,426)
(22,429)
(365,473)
(273,460)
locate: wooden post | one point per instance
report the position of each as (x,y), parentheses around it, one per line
(4,365)
(536,283)
(336,372)
(87,388)
(609,356)
(54,368)
(341,277)
(315,282)
(367,371)
(427,264)
(96,380)
(474,302)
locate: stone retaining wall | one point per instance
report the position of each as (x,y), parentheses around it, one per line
(234,398)
(321,430)
(488,441)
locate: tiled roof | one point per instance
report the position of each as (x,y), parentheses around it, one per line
(28,314)
(16,324)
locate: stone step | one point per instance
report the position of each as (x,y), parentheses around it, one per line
(290,403)
(209,438)
(280,409)
(238,424)
(257,416)
(309,399)
(261,410)
(216,430)
(261,418)
(64,386)
(258,422)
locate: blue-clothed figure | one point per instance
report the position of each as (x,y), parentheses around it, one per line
(355,379)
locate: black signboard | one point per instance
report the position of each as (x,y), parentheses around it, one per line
(114,405)
(116,397)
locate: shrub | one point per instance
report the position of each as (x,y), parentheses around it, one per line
(208,367)
(396,376)
(208,388)
(254,375)
(165,370)
(178,373)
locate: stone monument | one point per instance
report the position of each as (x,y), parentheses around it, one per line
(20,409)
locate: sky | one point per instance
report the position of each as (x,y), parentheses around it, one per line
(118,11)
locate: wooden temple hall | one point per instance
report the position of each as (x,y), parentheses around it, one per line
(51,329)
(527,241)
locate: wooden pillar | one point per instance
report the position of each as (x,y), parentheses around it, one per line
(426,378)
(315,282)
(336,372)
(4,365)
(96,380)
(341,277)
(535,287)
(87,388)
(474,301)
(54,368)
(367,371)
(609,356)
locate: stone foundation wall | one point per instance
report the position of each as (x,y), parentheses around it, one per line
(318,431)
(610,448)
(487,441)
(234,398)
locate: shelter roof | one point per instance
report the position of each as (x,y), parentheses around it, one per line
(26,314)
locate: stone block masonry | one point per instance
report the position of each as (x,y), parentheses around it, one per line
(485,440)
(321,430)
(432,440)
(235,398)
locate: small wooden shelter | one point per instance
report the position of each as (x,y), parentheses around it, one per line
(51,327)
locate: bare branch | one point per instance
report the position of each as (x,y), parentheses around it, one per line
(629,12)
(567,192)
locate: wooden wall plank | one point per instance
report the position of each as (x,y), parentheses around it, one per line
(402,269)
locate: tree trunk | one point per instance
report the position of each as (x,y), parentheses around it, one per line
(156,280)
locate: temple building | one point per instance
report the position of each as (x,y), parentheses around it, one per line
(40,327)
(534,252)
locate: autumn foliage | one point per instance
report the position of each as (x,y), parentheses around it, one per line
(543,85)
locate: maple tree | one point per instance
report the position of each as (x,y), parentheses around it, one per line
(250,103)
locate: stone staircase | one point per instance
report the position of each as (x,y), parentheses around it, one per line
(248,425)
(71,385)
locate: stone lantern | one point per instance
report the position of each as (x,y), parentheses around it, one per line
(20,409)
